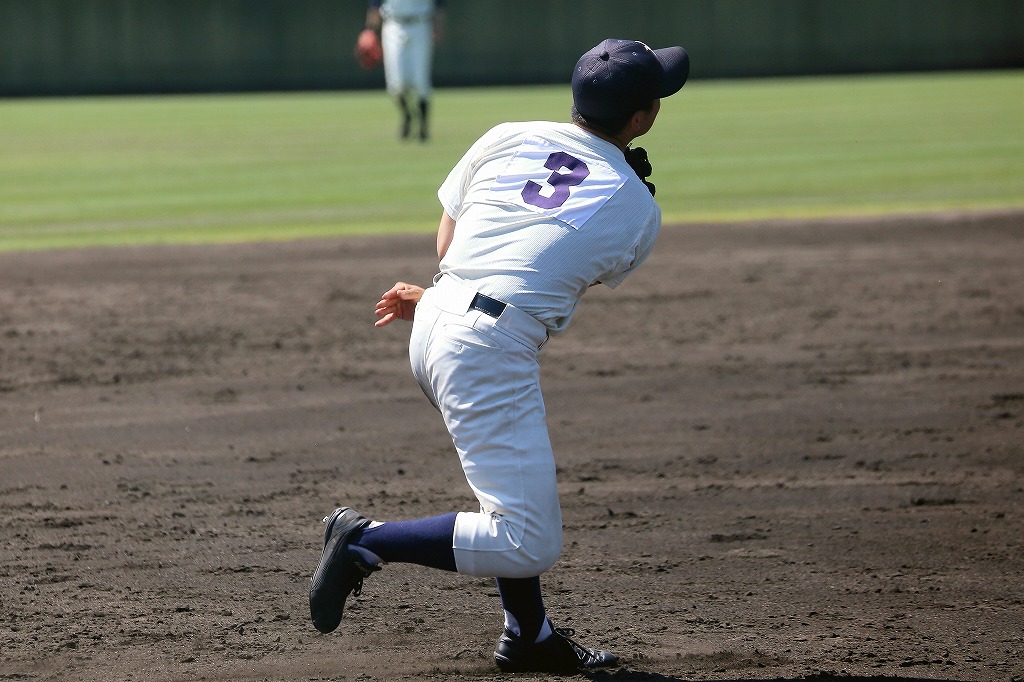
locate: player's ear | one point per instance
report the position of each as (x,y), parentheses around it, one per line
(640,120)
(640,123)
(643,119)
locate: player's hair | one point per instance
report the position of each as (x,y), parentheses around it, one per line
(607,126)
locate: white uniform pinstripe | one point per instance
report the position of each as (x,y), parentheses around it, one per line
(543,211)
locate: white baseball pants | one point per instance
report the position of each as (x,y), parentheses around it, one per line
(483,374)
(408,55)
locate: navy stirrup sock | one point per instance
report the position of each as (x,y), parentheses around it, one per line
(521,598)
(427,542)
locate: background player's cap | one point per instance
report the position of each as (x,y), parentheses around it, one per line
(619,77)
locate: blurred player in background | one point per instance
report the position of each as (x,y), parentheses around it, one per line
(534,214)
(408,31)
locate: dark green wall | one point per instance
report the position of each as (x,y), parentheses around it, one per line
(112,46)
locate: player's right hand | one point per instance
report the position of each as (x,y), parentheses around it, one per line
(397,303)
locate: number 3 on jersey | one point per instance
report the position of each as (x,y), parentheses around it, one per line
(563,184)
(577,173)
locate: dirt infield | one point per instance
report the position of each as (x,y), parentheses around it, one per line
(786,451)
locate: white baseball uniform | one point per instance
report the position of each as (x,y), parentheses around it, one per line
(543,211)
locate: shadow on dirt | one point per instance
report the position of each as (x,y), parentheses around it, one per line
(626,675)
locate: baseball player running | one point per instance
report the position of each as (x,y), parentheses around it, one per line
(408,30)
(534,214)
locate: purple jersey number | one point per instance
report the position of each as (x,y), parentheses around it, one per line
(578,172)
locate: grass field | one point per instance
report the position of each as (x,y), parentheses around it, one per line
(104,171)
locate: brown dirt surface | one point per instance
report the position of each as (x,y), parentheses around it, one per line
(789,450)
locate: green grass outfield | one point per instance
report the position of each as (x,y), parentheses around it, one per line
(130,170)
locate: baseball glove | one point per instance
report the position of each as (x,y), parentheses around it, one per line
(368,50)
(637,159)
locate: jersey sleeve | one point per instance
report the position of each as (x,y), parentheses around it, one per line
(641,250)
(453,190)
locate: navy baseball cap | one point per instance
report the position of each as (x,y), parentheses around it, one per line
(619,77)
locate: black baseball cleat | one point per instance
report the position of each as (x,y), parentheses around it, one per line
(556,654)
(340,572)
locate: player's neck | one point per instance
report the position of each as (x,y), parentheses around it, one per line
(618,142)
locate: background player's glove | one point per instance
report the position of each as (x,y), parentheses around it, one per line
(369,52)
(637,159)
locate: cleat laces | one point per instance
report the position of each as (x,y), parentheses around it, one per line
(588,657)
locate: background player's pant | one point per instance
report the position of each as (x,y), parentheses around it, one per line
(483,375)
(408,55)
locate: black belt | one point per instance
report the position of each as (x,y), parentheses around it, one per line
(487,305)
(410,19)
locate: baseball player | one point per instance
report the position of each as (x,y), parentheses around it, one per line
(408,30)
(533,215)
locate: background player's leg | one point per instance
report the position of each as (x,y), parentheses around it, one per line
(420,52)
(424,111)
(406,124)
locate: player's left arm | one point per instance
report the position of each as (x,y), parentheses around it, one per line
(445,233)
(397,303)
(373,17)
(438,21)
